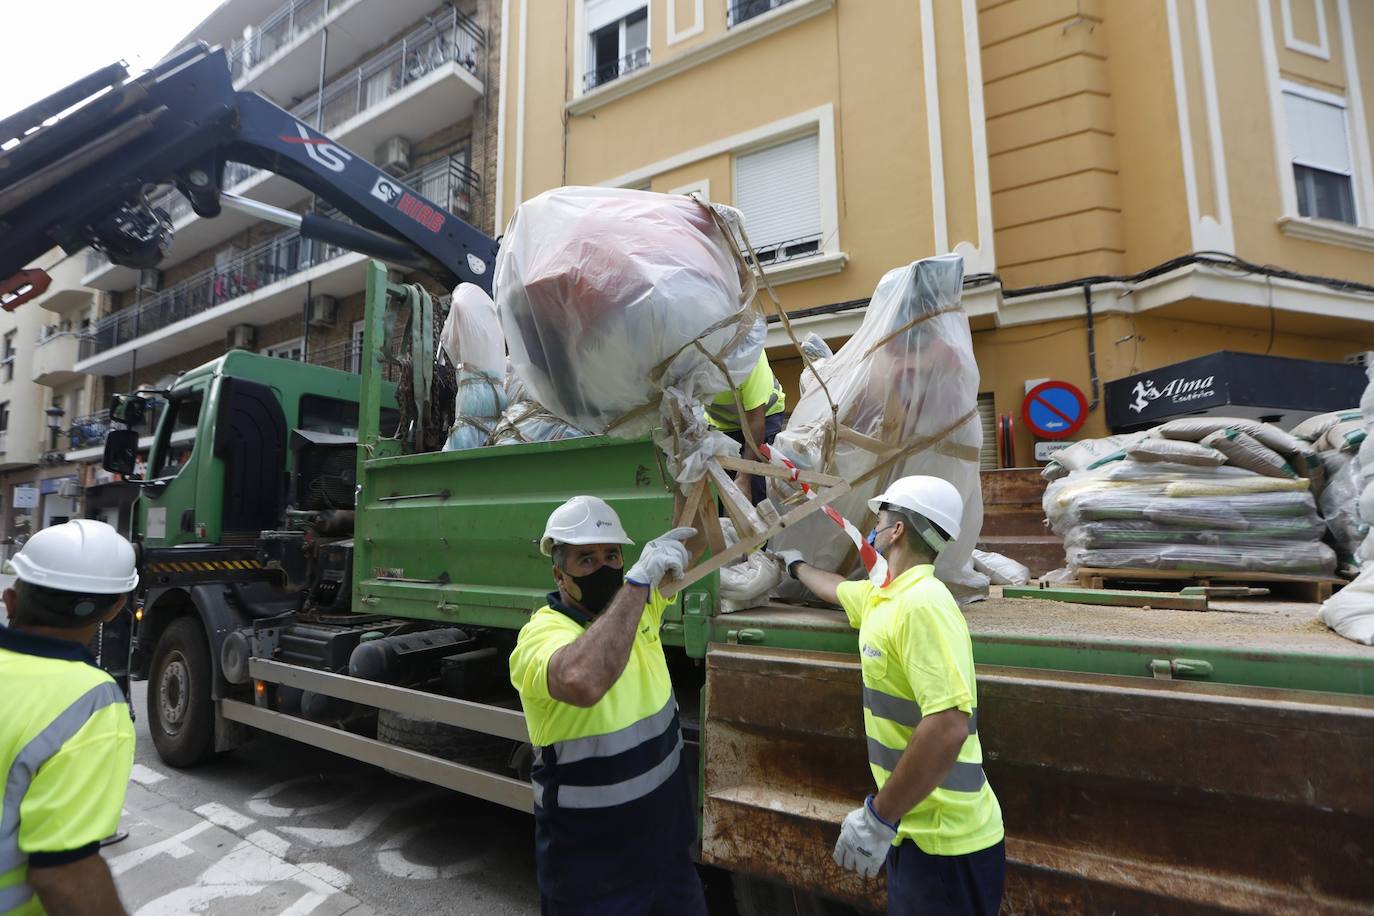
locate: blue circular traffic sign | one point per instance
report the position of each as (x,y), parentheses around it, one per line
(1054,410)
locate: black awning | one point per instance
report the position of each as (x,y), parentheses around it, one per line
(1275,388)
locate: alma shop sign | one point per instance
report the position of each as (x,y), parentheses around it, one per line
(1180,390)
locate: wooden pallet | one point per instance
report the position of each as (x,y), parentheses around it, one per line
(1299,588)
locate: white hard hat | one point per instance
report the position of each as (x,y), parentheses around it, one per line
(930,497)
(582,520)
(82,556)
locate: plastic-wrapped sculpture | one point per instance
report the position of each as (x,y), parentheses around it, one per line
(610,298)
(472,339)
(904,390)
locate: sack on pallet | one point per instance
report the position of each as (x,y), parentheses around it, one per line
(610,296)
(471,338)
(1245,451)
(1086,454)
(1350,612)
(1345,436)
(1313,428)
(1000,569)
(1175,450)
(1340,507)
(907,378)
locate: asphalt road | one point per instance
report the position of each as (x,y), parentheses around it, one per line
(277,827)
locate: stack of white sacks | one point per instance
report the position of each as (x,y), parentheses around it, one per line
(1200,494)
(1350,612)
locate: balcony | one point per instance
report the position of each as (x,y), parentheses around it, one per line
(741,11)
(54,359)
(602,74)
(261,285)
(279,57)
(420,85)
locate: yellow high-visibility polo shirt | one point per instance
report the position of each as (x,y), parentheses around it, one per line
(760,387)
(66,750)
(917,660)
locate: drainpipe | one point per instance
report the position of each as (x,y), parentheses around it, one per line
(1092,346)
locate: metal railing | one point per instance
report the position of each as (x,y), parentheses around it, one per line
(277,30)
(447,38)
(446,181)
(789,250)
(599,76)
(743,10)
(89,431)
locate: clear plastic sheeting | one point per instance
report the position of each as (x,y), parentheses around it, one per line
(1340,506)
(748,583)
(1000,569)
(905,389)
(472,339)
(608,297)
(1162,516)
(526,420)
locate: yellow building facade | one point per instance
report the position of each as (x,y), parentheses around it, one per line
(1081,155)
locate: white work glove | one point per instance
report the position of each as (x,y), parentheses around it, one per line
(864,841)
(787,558)
(661,556)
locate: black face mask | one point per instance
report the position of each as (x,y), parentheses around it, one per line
(595,590)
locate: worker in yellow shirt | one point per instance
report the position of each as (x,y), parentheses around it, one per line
(764,405)
(66,738)
(934,819)
(613,813)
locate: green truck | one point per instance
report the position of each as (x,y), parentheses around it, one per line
(310,572)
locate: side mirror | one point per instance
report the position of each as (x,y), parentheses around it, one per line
(129,409)
(121,452)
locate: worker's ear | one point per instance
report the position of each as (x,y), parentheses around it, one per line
(115,611)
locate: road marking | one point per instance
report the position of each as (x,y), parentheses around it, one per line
(223,816)
(269,841)
(145,776)
(174,846)
(362,826)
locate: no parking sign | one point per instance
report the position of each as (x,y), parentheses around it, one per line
(1054,410)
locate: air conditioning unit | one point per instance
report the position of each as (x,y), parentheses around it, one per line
(149,280)
(241,337)
(394,156)
(324,311)
(69,488)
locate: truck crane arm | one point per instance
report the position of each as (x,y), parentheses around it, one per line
(77,169)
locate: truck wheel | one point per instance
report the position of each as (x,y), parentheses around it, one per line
(758,897)
(181,714)
(439,739)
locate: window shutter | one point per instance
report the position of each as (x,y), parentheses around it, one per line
(987,418)
(1317,133)
(601,13)
(778,190)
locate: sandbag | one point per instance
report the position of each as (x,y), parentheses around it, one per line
(747,583)
(1175,450)
(1350,612)
(1000,569)
(1346,436)
(605,294)
(1086,454)
(1245,451)
(1313,428)
(1195,429)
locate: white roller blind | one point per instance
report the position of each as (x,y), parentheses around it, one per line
(603,12)
(987,417)
(1317,133)
(778,189)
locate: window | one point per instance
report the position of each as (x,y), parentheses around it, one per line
(778,190)
(744,10)
(8,360)
(4,416)
(1320,143)
(618,39)
(321,414)
(987,418)
(172,458)
(288,349)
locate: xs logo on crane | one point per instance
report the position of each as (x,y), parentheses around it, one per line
(330,155)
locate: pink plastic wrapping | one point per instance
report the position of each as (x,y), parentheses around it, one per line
(602,293)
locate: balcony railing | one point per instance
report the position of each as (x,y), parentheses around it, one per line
(743,10)
(89,431)
(789,250)
(446,181)
(276,31)
(447,38)
(600,75)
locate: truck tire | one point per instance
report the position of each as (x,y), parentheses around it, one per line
(181,714)
(439,739)
(759,897)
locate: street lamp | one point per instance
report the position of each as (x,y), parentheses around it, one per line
(55,415)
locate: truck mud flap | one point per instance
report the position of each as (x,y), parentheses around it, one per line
(1119,794)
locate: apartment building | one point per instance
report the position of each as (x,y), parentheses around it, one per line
(1075,152)
(45,404)
(403,83)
